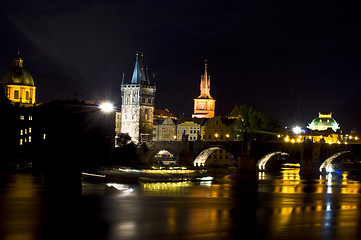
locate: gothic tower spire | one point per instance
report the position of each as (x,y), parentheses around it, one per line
(204,105)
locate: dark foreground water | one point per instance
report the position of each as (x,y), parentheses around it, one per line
(263,206)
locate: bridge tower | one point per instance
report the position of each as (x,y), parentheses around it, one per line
(204,105)
(138,104)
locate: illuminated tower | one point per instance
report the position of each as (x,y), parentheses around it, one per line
(204,105)
(138,104)
(19,84)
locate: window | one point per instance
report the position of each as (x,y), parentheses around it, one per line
(16,94)
(21,132)
(30,118)
(22,117)
(27,95)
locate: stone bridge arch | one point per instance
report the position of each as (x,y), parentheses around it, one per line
(150,155)
(203,155)
(327,163)
(262,162)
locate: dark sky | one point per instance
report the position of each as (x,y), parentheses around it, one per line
(292,59)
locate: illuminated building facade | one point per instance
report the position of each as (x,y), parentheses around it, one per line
(138,104)
(204,105)
(324,129)
(19,84)
(218,129)
(165,129)
(190,127)
(323,123)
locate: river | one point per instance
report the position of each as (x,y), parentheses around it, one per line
(261,206)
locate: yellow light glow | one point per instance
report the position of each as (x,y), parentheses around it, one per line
(356,138)
(278,136)
(350,137)
(227,135)
(292,141)
(298,140)
(216,135)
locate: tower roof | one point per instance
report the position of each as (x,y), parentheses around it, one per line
(205,84)
(17,75)
(136,79)
(324,122)
(140,73)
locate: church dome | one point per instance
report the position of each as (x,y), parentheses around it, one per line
(17,75)
(324,122)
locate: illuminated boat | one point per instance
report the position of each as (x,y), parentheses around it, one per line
(131,175)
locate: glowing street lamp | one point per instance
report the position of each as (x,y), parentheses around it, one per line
(297,130)
(216,135)
(106,107)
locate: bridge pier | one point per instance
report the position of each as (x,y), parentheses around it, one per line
(310,154)
(245,160)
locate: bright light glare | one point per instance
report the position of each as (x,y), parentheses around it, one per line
(106,107)
(297,130)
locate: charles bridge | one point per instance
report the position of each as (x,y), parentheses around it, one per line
(252,155)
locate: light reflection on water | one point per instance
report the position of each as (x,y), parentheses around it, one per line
(266,205)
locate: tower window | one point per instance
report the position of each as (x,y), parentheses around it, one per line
(27,95)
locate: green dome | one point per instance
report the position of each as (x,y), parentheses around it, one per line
(17,75)
(324,122)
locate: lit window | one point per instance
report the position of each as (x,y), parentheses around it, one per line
(21,142)
(30,118)
(44,136)
(29,129)
(16,94)
(21,132)
(22,117)
(26,131)
(29,138)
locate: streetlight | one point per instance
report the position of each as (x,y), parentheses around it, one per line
(297,130)
(216,135)
(106,107)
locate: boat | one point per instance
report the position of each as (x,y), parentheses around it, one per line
(132,175)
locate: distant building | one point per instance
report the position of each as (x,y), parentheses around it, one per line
(323,123)
(17,111)
(165,129)
(204,105)
(217,129)
(190,127)
(324,129)
(19,84)
(138,104)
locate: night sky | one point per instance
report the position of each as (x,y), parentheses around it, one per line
(292,59)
